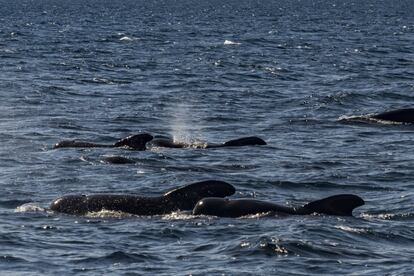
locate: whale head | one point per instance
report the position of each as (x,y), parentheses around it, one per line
(136,142)
(211,206)
(70,204)
(189,195)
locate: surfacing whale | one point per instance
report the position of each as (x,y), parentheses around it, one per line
(163,141)
(337,205)
(182,198)
(405,115)
(402,116)
(140,142)
(118,160)
(136,142)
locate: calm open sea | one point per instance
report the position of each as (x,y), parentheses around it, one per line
(99,70)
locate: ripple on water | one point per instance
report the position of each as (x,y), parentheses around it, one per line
(119,257)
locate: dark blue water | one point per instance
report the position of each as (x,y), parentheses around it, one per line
(207,71)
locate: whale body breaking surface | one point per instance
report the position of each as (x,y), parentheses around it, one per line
(203,198)
(182,198)
(142,140)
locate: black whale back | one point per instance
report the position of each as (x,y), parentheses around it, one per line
(245,141)
(187,196)
(222,207)
(337,205)
(183,198)
(400,115)
(70,204)
(136,142)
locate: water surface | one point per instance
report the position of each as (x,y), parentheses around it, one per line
(207,71)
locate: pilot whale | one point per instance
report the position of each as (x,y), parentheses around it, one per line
(164,141)
(136,142)
(405,115)
(182,198)
(338,205)
(402,116)
(140,142)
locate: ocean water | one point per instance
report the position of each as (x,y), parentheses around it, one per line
(285,71)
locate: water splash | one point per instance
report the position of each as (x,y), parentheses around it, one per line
(182,215)
(108,214)
(29,207)
(182,126)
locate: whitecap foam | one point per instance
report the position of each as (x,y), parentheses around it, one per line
(179,216)
(126,38)
(366,119)
(350,229)
(29,207)
(386,216)
(259,215)
(229,42)
(107,214)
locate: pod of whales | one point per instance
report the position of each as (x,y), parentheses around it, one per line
(206,197)
(203,198)
(183,198)
(337,205)
(140,141)
(162,141)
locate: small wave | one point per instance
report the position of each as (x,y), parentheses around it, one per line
(179,216)
(234,167)
(29,207)
(119,257)
(114,159)
(366,119)
(7,51)
(351,229)
(84,158)
(184,168)
(13,203)
(265,245)
(388,216)
(291,185)
(229,42)
(11,259)
(252,216)
(260,215)
(127,38)
(102,80)
(399,236)
(274,248)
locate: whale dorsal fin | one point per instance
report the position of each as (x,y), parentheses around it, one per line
(208,188)
(337,205)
